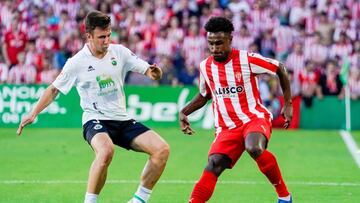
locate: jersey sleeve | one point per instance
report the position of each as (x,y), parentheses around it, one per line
(67,78)
(132,62)
(259,64)
(203,87)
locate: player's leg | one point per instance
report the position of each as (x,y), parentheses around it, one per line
(204,188)
(157,148)
(256,139)
(104,151)
(224,152)
(97,136)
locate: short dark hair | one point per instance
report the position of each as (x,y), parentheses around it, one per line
(219,24)
(96,19)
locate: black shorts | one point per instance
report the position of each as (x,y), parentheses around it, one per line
(121,133)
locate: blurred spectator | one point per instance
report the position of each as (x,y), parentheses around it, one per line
(309,79)
(236,6)
(105,7)
(284,37)
(33,56)
(326,29)
(296,60)
(149,30)
(268,87)
(188,75)
(316,51)
(4,70)
(259,15)
(65,27)
(311,19)
(13,42)
(354,83)
(74,43)
(298,13)
(346,28)
(355,57)
(175,32)
(22,73)
(169,72)
(294,84)
(139,79)
(44,42)
(205,16)
(342,48)
(48,74)
(254,48)
(162,13)
(194,46)
(329,82)
(138,46)
(7,10)
(242,40)
(163,45)
(268,44)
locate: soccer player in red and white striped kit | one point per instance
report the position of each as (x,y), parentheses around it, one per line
(228,77)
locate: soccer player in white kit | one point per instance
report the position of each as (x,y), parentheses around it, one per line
(98,72)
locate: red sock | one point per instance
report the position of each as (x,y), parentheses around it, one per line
(204,188)
(269,167)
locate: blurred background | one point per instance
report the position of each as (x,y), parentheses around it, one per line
(317,40)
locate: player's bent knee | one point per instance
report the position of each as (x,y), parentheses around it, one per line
(254,150)
(161,155)
(218,163)
(105,156)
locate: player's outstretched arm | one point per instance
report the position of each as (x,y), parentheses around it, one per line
(196,103)
(48,96)
(154,72)
(287,110)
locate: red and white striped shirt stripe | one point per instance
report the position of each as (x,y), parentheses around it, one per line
(295,62)
(4,70)
(234,87)
(193,48)
(164,46)
(341,49)
(22,74)
(242,42)
(316,52)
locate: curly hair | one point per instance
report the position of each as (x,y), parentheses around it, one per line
(219,24)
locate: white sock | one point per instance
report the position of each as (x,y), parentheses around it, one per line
(287,198)
(142,193)
(90,198)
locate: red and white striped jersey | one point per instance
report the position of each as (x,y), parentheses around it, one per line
(295,62)
(22,74)
(341,50)
(233,86)
(4,71)
(242,42)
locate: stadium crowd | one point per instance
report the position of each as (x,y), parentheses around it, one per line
(313,38)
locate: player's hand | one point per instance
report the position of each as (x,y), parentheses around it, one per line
(185,125)
(287,113)
(28,119)
(155,72)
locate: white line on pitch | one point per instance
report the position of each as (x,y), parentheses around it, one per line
(351,145)
(14,182)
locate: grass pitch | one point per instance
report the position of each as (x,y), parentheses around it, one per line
(51,165)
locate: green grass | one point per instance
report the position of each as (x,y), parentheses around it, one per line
(307,160)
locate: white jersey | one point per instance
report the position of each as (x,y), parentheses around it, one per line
(100,82)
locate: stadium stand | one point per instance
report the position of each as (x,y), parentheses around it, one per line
(313,38)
